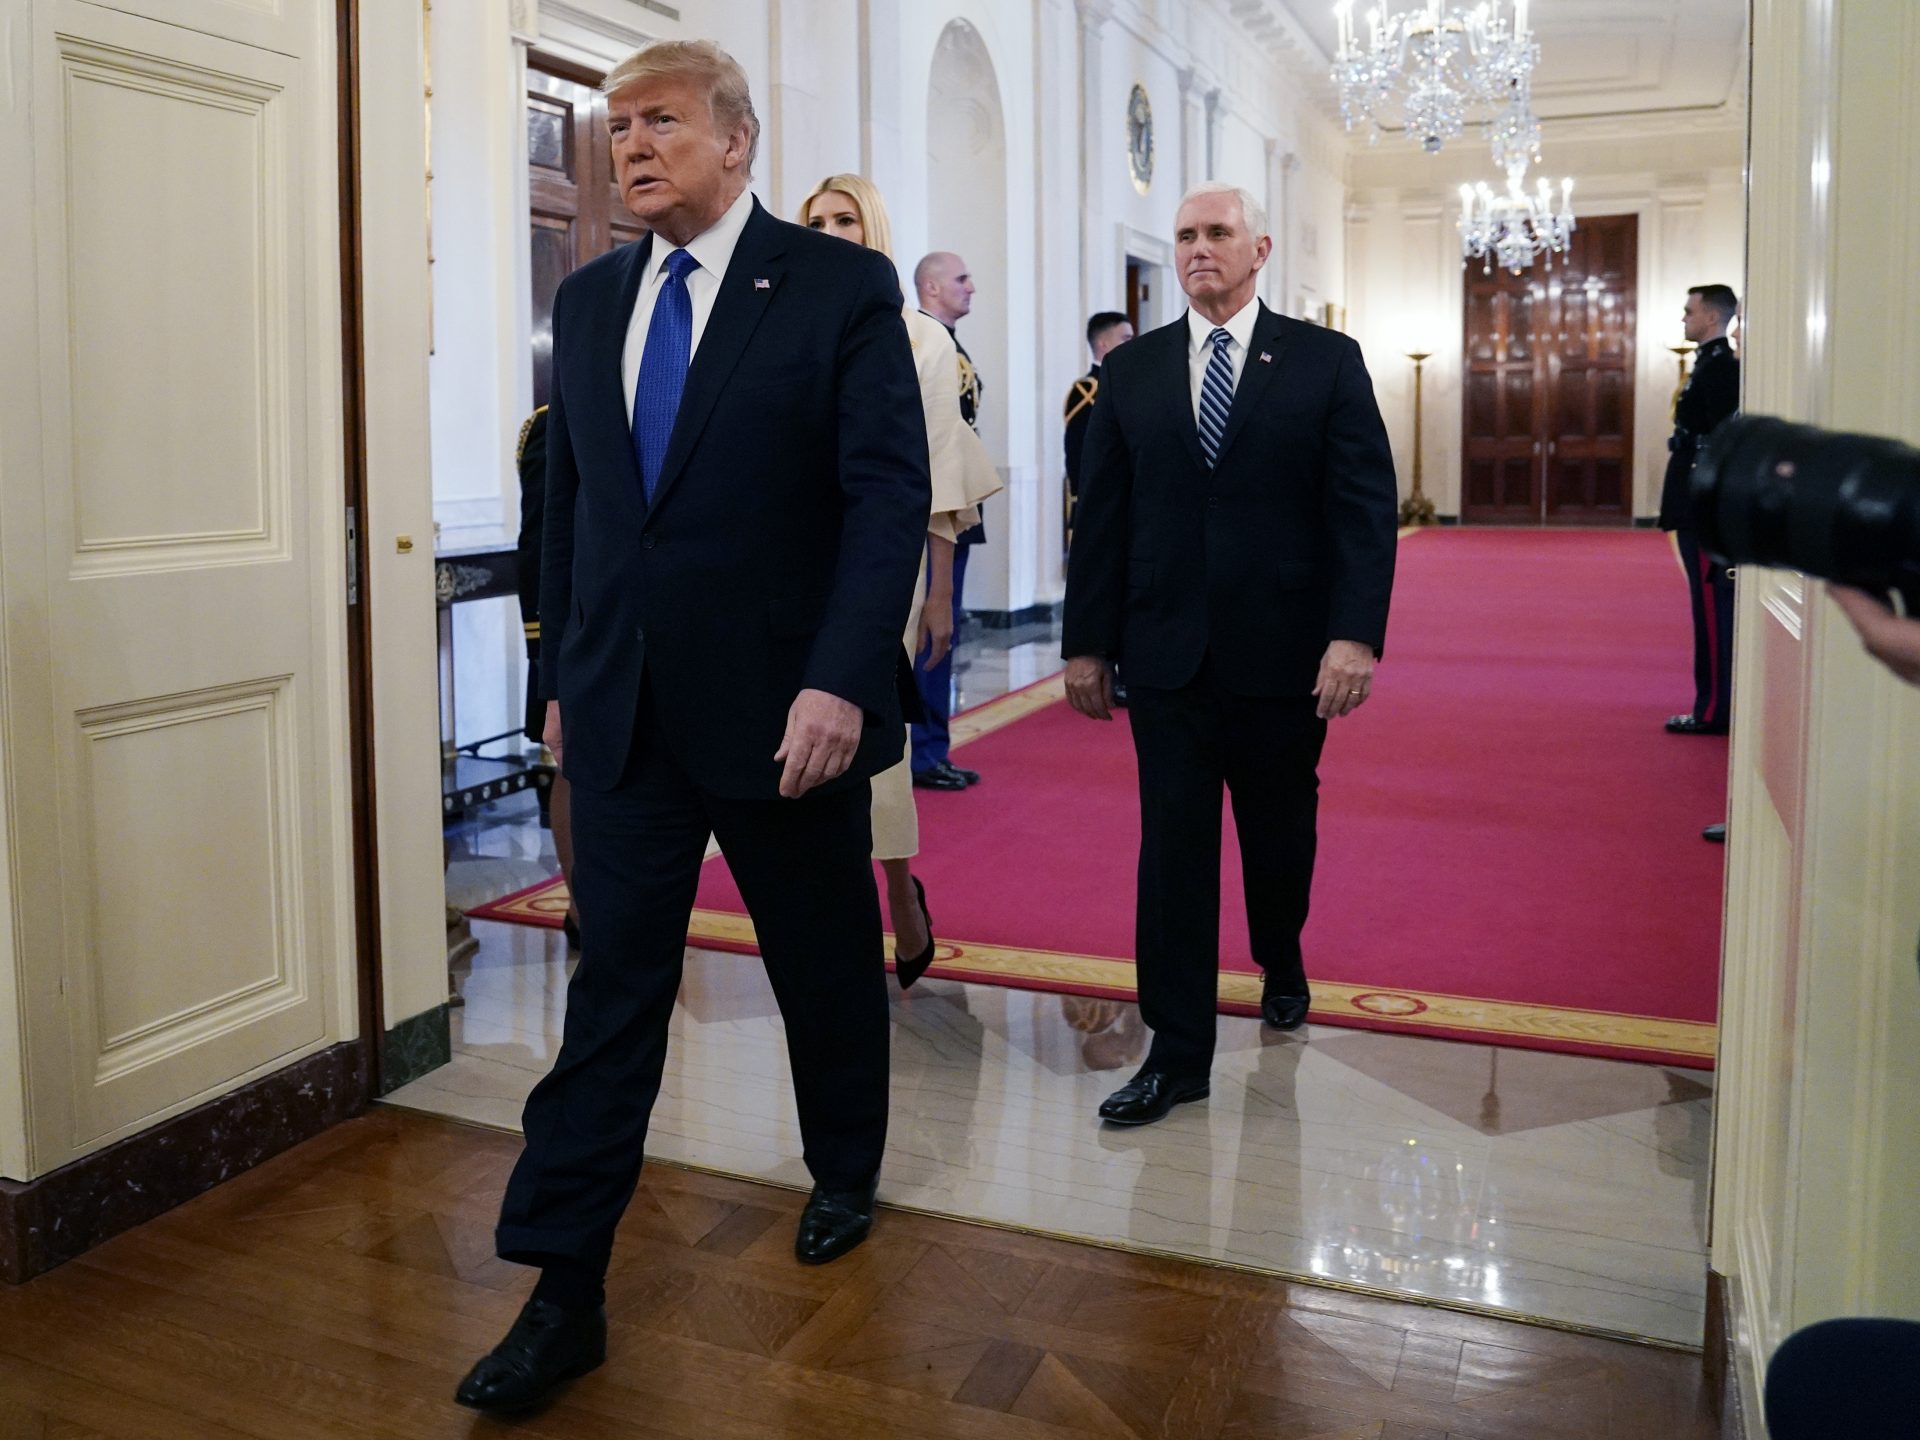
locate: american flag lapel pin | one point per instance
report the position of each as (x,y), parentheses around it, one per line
(1265,358)
(763,284)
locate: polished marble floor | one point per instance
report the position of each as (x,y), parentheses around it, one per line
(1553,1186)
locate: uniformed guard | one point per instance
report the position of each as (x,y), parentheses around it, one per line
(1712,393)
(944,289)
(1105,330)
(530,456)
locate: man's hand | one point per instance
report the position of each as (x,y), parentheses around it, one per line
(1890,639)
(823,731)
(1346,678)
(550,733)
(1090,686)
(936,627)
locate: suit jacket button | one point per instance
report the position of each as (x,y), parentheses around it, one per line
(640,633)
(646,542)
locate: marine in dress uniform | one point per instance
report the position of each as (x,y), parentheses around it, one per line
(1077,412)
(1712,393)
(530,456)
(1107,330)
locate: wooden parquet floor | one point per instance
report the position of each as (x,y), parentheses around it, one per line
(343,1288)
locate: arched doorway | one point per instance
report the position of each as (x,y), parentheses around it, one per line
(967,214)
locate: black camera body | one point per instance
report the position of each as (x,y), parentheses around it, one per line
(1843,507)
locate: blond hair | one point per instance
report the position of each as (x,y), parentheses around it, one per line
(866,201)
(705,63)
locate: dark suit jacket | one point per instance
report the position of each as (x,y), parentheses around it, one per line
(1286,545)
(780,551)
(1712,394)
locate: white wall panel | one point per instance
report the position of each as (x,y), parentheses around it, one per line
(406,721)
(1816,1159)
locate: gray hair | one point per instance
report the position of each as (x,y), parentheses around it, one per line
(705,63)
(1252,212)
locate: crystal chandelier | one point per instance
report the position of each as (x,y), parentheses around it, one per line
(1510,230)
(1448,58)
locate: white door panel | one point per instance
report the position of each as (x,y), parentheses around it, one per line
(185,591)
(283,25)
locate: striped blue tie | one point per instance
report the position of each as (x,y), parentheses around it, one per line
(1216,395)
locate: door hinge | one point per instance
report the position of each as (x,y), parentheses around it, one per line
(353,555)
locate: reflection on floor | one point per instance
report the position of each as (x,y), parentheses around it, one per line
(340,1290)
(1549,1185)
(1545,1184)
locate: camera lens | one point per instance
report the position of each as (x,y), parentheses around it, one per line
(1843,507)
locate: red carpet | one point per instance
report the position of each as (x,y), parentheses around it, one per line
(1510,844)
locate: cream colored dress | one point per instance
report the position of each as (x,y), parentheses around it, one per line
(963,476)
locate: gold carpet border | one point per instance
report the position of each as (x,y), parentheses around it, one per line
(983,720)
(1421,1009)
(540,906)
(1134,1247)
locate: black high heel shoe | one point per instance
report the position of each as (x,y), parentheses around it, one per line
(908,971)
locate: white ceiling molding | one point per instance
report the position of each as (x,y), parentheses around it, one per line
(602,33)
(1275,27)
(1598,58)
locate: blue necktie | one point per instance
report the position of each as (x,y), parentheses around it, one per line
(1216,395)
(663,370)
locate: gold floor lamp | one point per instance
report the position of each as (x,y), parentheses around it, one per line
(1417,509)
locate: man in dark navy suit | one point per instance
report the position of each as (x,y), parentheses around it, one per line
(1233,549)
(737,493)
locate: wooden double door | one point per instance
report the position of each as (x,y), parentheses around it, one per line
(575,206)
(1548,393)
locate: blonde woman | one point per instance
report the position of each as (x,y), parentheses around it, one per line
(849,206)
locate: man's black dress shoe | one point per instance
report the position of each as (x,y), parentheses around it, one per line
(833,1223)
(1714,834)
(941,777)
(1687,725)
(1282,1005)
(969,777)
(1150,1096)
(905,970)
(546,1347)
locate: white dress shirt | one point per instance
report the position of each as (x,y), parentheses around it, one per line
(1200,347)
(713,248)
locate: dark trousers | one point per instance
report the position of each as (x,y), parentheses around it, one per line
(803,869)
(1854,1378)
(1710,588)
(936,685)
(1266,752)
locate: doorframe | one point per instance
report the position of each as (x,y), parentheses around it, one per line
(1155,256)
(363,816)
(1641,210)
